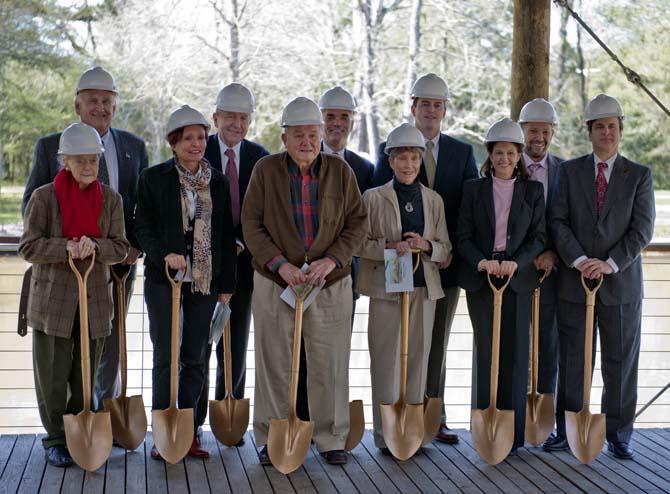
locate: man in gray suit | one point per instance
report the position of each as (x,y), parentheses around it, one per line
(601,219)
(124,158)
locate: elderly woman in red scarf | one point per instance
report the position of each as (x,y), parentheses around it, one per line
(75,215)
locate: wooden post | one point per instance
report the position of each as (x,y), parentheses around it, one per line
(530,52)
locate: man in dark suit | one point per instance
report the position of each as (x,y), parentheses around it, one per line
(447,164)
(601,219)
(538,120)
(229,152)
(124,158)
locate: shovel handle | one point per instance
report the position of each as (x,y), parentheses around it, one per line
(120,285)
(495,340)
(535,333)
(84,342)
(404,332)
(227,360)
(588,338)
(295,362)
(174,337)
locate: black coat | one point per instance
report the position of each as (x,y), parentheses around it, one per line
(159,228)
(526,232)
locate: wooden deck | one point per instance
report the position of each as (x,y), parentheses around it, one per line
(437,468)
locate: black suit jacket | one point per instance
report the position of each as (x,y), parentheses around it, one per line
(363,169)
(622,230)
(159,227)
(526,231)
(250,153)
(132,158)
(455,165)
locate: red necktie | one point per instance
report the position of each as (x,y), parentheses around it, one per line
(231,173)
(601,187)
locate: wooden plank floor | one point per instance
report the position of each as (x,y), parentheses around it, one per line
(437,468)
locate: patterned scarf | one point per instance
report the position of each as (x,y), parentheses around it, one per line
(198,183)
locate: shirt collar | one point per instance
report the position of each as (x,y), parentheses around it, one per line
(610,162)
(224,147)
(328,149)
(314,168)
(436,140)
(529,161)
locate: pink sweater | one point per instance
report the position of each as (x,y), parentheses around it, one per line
(503,190)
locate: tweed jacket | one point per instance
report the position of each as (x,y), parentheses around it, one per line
(385,226)
(269,226)
(53,297)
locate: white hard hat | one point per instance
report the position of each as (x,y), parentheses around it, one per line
(301,111)
(97,78)
(505,130)
(235,97)
(603,106)
(337,98)
(405,136)
(79,138)
(183,117)
(538,110)
(430,86)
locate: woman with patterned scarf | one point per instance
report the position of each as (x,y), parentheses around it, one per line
(184,219)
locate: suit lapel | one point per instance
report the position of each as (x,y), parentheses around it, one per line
(587,178)
(388,193)
(120,161)
(551,175)
(517,199)
(615,186)
(487,199)
(427,215)
(442,170)
(215,153)
(245,168)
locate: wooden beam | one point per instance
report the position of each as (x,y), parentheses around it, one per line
(530,52)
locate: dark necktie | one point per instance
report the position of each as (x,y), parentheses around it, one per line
(601,187)
(231,173)
(103,174)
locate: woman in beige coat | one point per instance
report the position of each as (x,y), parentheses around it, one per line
(403,215)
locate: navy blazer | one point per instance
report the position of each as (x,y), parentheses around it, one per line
(131,153)
(363,169)
(250,153)
(455,165)
(159,227)
(624,227)
(526,232)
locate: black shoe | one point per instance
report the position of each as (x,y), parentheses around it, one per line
(59,456)
(556,442)
(385,451)
(620,450)
(240,442)
(335,457)
(445,435)
(264,457)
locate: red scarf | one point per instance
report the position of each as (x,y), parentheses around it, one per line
(79,209)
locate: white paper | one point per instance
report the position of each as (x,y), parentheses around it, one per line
(398,272)
(311,292)
(218,324)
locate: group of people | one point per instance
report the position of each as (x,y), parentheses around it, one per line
(241,225)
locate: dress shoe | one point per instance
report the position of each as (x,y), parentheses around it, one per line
(264,456)
(59,456)
(620,450)
(446,436)
(556,442)
(385,451)
(335,457)
(155,454)
(196,451)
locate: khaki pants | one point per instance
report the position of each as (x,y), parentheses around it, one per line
(384,345)
(326,330)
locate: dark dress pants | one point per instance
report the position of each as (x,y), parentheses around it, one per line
(547,362)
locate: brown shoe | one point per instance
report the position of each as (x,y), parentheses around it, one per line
(155,454)
(335,457)
(196,451)
(445,435)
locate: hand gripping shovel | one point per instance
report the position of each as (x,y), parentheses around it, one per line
(403,423)
(539,407)
(289,439)
(173,428)
(229,417)
(88,435)
(493,429)
(129,421)
(586,431)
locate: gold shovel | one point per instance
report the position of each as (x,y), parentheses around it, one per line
(229,417)
(539,407)
(173,428)
(129,420)
(586,431)
(493,429)
(88,435)
(289,439)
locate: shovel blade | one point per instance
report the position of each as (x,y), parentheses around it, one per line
(173,432)
(432,415)
(403,428)
(89,438)
(492,433)
(539,417)
(229,419)
(288,443)
(586,434)
(356,425)
(129,420)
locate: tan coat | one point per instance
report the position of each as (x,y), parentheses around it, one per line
(385,226)
(53,297)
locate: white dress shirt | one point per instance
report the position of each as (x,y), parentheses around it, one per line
(541,174)
(327,149)
(224,159)
(111,160)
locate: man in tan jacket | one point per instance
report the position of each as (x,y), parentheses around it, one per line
(303,206)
